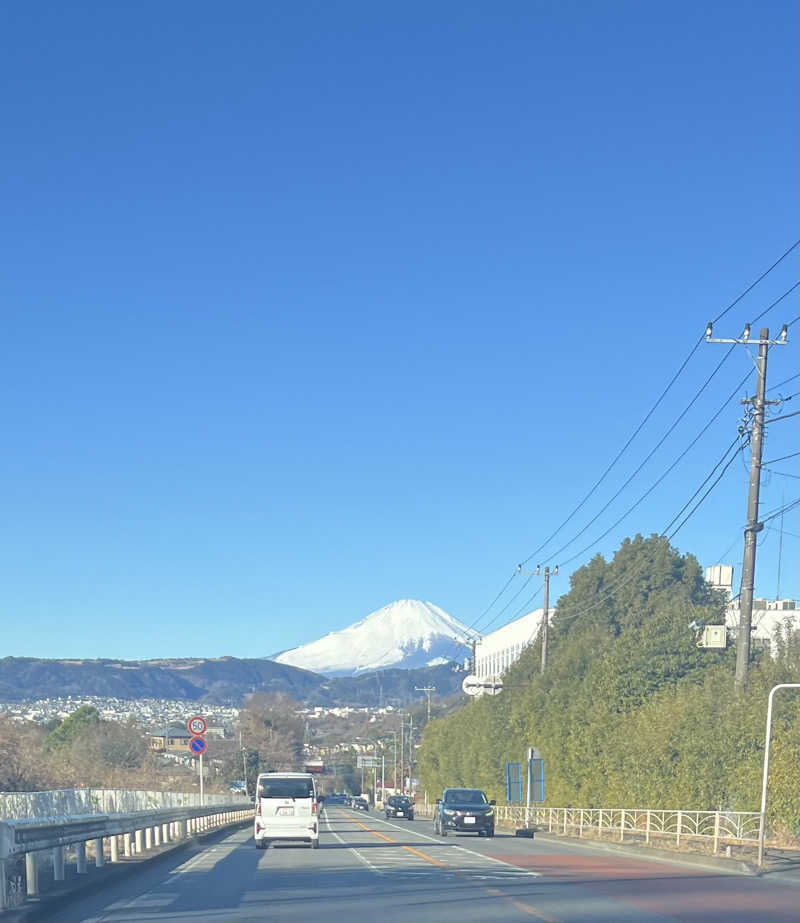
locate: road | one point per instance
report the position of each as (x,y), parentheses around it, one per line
(368,869)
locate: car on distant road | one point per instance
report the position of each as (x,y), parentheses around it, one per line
(464,810)
(399,806)
(360,804)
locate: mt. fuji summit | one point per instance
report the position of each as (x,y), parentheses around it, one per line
(408,633)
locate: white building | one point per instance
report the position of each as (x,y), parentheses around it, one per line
(768,614)
(496,652)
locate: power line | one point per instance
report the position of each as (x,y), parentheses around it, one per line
(653,486)
(635,433)
(785,381)
(619,455)
(697,505)
(784,509)
(754,284)
(774,461)
(774,303)
(663,395)
(786,416)
(708,478)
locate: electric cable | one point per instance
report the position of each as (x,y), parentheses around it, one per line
(699,503)
(784,382)
(774,461)
(708,478)
(665,473)
(635,433)
(754,284)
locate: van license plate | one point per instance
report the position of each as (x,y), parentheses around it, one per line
(469,820)
(286,812)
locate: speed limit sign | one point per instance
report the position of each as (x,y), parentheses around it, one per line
(197,725)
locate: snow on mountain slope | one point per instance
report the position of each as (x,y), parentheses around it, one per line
(408,633)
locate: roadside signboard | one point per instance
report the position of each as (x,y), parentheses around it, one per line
(514,783)
(472,685)
(493,685)
(198,745)
(367,762)
(197,726)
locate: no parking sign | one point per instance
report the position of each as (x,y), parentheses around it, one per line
(197,745)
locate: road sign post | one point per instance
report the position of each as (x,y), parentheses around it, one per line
(198,726)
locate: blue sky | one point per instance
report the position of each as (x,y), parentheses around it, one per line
(310,307)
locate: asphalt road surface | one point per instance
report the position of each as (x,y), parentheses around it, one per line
(369,869)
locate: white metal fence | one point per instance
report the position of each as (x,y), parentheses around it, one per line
(68,801)
(642,825)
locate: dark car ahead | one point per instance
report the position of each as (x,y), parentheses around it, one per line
(464,810)
(360,804)
(399,806)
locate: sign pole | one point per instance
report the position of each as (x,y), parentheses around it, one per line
(202,798)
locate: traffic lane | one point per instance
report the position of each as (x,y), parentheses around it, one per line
(230,880)
(417,883)
(644,886)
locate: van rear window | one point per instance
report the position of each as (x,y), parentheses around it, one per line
(285,788)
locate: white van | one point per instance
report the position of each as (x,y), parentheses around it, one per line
(286,808)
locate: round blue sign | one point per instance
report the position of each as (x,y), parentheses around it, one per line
(197,745)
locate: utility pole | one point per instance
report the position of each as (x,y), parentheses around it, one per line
(402,754)
(752,526)
(546,610)
(410,753)
(427,690)
(394,738)
(546,615)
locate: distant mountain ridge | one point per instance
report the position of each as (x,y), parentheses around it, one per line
(224,680)
(406,634)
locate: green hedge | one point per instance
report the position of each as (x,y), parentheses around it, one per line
(630,713)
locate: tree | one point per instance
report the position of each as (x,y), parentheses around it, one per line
(270,725)
(72,726)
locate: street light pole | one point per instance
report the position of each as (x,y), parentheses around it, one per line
(763,819)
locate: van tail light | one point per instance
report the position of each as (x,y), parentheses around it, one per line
(313,807)
(258,807)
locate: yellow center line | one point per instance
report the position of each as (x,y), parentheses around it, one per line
(495,892)
(375,832)
(427,858)
(410,849)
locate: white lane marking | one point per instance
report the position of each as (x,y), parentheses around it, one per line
(158,896)
(352,849)
(472,852)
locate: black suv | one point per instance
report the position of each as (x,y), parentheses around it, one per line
(464,810)
(399,806)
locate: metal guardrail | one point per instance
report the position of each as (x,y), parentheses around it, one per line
(719,828)
(34,837)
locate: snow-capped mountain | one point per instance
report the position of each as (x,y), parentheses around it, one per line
(408,633)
